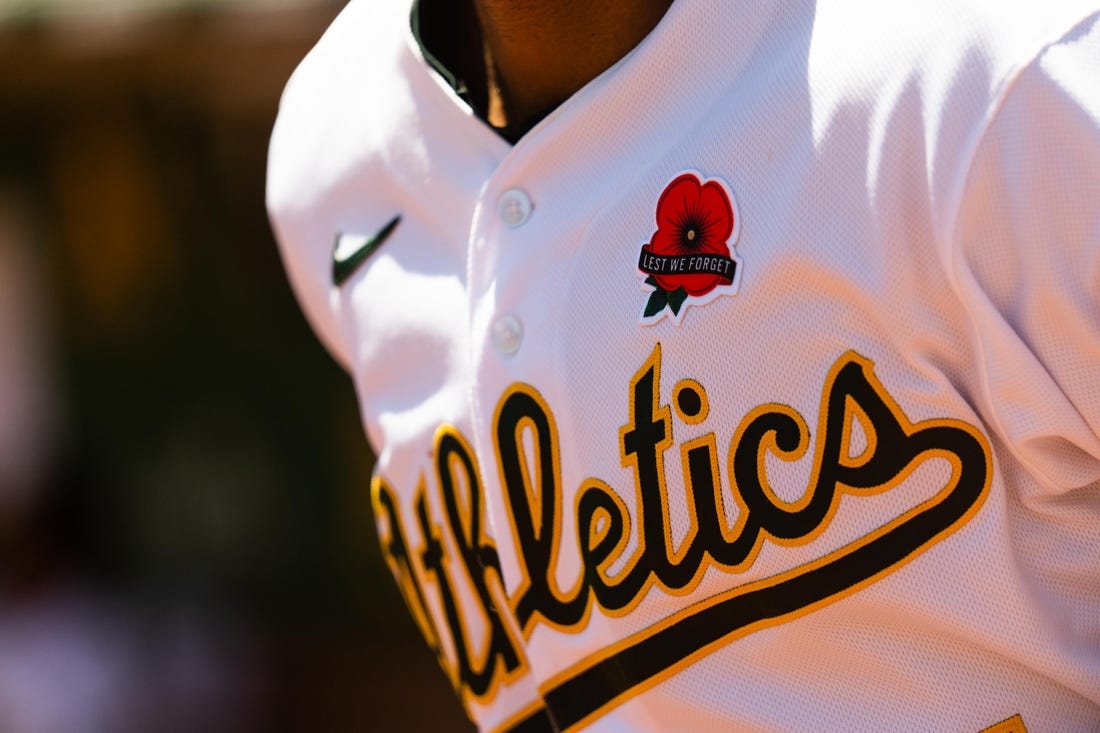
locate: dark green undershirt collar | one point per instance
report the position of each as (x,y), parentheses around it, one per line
(442,60)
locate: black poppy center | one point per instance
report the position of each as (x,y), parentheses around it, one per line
(692,233)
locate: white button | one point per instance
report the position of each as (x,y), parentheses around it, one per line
(507,334)
(514,208)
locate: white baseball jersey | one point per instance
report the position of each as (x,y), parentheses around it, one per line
(756,388)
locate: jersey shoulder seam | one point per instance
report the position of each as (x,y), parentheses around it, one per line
(997,104)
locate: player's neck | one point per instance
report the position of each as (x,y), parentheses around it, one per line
(539,52)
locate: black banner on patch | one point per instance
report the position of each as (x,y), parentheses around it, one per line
(693,264)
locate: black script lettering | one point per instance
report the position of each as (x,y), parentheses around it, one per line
(478,555)
(781,430)
(527,452)
(731,548)
(434,559)
(598,504)
(533,500)
(644,440)
(395,549)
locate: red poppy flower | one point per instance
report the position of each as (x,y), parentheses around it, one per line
(693,218)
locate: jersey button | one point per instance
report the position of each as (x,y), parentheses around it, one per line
(514,208)
(507,334)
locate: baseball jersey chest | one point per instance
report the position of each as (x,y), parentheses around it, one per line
(560,440)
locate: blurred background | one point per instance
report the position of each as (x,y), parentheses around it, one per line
(185,532)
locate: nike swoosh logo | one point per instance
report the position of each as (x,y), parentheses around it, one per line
(352,250)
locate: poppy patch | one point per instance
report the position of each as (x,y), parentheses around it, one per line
(690,259)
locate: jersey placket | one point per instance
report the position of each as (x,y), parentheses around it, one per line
(532,218)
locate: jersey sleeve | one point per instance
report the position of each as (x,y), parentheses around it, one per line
(305,245)
(1027,264)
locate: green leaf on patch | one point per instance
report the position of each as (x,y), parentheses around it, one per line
(652,281)
(657,302)
(676,299)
